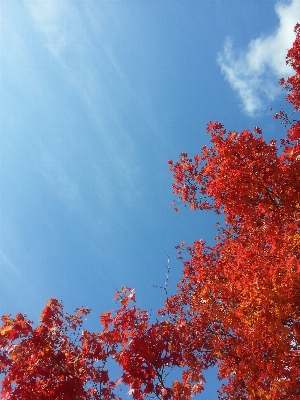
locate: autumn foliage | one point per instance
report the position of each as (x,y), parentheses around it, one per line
(237,305)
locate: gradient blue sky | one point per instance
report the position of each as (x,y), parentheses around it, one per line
(95,97)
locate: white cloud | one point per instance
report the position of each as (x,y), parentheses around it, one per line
(254,73)
(47,18)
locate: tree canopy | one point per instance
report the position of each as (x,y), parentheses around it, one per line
(237,305)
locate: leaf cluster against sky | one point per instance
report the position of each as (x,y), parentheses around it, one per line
(95,98)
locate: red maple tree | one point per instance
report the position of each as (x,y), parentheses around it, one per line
(237,305)
(242,296)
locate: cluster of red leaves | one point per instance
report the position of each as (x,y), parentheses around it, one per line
(54,360)
(237,305)
(292,85)
(59,360)
(242,296)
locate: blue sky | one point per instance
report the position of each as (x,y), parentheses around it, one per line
(96,97)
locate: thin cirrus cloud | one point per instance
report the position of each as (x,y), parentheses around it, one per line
(253,73)
(6,264)
(68,33)
(46,17)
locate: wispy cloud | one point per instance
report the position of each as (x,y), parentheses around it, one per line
(252,73)
(56,175)
(7,265)
(46,16)
(68,32)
